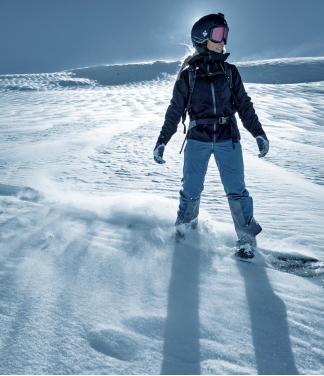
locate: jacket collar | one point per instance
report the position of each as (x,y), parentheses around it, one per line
(208,57)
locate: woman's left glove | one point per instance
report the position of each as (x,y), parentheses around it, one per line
(263,144)
(158,153)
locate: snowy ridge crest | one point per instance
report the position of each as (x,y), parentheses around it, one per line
(277,71)
(283,71)
(124,74)
(89,77)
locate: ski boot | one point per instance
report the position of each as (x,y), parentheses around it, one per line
(182,227)
(246,247)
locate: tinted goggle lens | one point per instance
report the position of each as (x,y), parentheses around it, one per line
(217,34)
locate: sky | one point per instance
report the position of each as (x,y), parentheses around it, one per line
(48,36)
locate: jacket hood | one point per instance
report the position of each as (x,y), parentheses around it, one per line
(208,57)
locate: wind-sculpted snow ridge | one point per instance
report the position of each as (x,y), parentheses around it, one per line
(277,71)
(106,75)
(123,74)
(283,71)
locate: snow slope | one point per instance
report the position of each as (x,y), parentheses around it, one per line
(91,280)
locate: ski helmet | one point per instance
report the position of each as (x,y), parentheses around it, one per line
(213,27)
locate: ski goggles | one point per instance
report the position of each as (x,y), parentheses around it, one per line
(217,34)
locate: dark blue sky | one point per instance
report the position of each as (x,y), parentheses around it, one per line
(39,36)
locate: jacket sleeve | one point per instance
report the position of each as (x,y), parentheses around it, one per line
(175,110)
(245,108)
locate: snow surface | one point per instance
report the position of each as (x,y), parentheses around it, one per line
(91,280)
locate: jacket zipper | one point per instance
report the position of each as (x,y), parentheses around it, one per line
(214,102)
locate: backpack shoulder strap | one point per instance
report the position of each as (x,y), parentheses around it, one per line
(228,70)
(229,78)
(192,77)
(192,81)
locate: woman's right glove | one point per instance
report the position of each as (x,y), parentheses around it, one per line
(263,144)
(158,153)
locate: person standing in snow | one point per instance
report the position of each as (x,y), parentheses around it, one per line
(212,91)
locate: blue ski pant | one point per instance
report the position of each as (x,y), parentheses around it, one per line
(229,161)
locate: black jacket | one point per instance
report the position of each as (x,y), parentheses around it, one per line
(211,99)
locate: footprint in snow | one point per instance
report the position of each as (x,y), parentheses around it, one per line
(115,343)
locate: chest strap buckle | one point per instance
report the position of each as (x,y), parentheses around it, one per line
(223,120)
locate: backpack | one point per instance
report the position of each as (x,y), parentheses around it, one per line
(227,71)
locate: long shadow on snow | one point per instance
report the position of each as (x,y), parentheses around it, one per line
(181,352)
(272,346)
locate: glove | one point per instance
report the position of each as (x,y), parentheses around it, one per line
(263,144)
(158,153)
